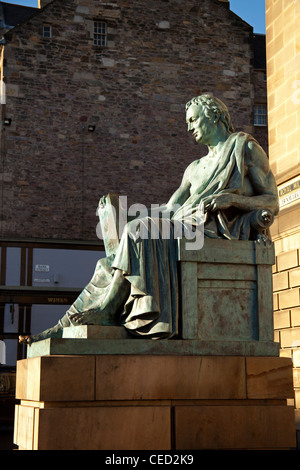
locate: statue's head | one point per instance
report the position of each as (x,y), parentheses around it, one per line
(214,109)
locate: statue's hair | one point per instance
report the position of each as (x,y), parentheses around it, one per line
(213,107)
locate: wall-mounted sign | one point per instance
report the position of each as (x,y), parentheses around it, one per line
(289,192)
(44,268)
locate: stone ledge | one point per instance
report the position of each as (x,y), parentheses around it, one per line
(228,251)
(153,377)
(154,347)
(129,427)
(95,332)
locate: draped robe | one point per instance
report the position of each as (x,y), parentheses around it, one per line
(150,263)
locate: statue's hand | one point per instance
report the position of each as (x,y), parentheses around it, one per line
(102,202)
(266,217)
(218,201)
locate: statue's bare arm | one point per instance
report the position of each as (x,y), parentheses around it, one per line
(182,193)
(262,181)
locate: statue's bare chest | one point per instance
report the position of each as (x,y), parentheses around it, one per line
(202,171)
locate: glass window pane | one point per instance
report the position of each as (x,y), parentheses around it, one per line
(47,31)
(260,115)
(99,33)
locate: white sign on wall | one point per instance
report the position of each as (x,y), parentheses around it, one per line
(44,268)
(2,352)
(289,192)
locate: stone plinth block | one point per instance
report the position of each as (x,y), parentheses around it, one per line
(94,428)
(132,402)
(73,346)
(226,290)
(234,427)
(170,377)
(56,378)
(269,377)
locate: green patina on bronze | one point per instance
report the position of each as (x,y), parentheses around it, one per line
(137,284)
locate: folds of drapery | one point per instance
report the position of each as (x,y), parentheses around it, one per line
(150,265)
(148,260)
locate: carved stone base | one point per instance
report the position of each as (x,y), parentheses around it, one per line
(134,402)
(226,291)
(172,347)
(220,385)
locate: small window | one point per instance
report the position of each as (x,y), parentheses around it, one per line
(47,32)
(2,92)
(100,33)
(260,115)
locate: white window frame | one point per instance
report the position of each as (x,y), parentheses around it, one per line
(2,92)
(100,33)
(260,115)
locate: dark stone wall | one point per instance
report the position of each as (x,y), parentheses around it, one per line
(159,55)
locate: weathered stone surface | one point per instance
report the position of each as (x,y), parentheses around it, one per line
(269,377)
(94,428)
(58,378)
(140,346)
(136,87)
(96,332)
(235,427)
(227,291)
(150,402)
(169,377)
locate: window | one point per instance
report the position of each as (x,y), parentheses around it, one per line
(100,33)
(260,115)
(2,92)
(47,32)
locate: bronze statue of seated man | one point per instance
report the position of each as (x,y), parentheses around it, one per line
(233,184)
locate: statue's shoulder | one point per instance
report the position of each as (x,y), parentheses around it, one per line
(241,137)
(253,153)
(246,142)
(192,165)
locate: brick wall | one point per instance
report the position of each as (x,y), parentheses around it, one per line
(159,55)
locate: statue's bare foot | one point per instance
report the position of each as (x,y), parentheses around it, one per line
(54,332)
(25,339)
(107,314)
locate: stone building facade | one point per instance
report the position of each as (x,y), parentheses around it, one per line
(155,56)
(283,71)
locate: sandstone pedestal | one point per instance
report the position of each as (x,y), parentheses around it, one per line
(136,402)
(219,385)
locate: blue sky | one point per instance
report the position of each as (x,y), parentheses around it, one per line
(253,11)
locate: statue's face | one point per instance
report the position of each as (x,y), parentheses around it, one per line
(200,125)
